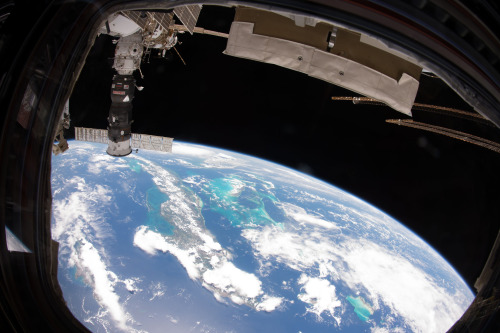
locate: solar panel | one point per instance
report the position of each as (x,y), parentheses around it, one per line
(138,17)
(140,141)
(164,19)
(136,140)
(188,15)
(152,142)
(91,135)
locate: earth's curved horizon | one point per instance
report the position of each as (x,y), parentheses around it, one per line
(207,240)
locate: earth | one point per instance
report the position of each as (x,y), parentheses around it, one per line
(208,240)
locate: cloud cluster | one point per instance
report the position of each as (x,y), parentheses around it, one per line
(320,295)
(213,269)
(91,265)
(100,162)
(179,148)
(300,215)
(385,277)
(81,230)
(222,161)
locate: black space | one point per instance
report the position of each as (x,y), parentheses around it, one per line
(446,190)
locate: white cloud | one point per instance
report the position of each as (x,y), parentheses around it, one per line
(157,289)
(222,161)
(269,303)
(386,277)
(227,279)
(190,150)
(173,320)
(297,250)
(237,185)
(300,215)
(406,289)
(103,283)
(380,330)
(320,295)
(151,242)
(182,162)
(78,211)
(130,285)
(99,162)
(81,229)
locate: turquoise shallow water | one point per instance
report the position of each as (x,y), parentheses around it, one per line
(362,310)
(134,165)
(167,299)
(245,208)
(78,278)
(155,220)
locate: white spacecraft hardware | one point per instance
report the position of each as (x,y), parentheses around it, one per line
(138,32)
(135,141)
(330,53)
(320,49)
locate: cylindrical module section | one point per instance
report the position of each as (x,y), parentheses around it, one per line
(120,115)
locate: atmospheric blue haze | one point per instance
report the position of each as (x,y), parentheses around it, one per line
(207,240)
